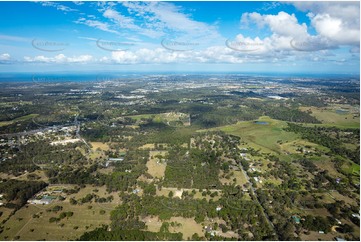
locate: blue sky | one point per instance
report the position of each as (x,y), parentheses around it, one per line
(287,37)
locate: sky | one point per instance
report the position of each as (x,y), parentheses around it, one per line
(257,37)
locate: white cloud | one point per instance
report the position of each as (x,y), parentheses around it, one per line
(60,59)
(270,5)
(5,57)
(287,34)
(156,20)
(124,22)
(335,29)
(13,38)
(282,24)
(337,21)
(58,6)
(214,54)
(96,24)
(167,18)
(78,3)
(87,38)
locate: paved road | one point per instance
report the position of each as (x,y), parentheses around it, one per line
(254,192)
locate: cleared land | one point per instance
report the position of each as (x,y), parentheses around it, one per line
(147,146)
(261,134)
(23,118)
(240,178)
(198,195)
(295,145)
(100,145)
(86,217)
(344,116)
(155,167)
(187,226)
(98,149)
(28,228)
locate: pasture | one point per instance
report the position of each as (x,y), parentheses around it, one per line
(342,116)
(19,119)
(31,222)
(155,167)
(264,135)
(187,226)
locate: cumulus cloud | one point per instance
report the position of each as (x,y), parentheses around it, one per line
(287,33)
(335,29)
(282,24)
(5,57)
(337,21)
(289,40)
(60,59)
(213,54)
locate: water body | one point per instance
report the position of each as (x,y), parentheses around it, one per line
(97,76)
(261,122)
(341,111)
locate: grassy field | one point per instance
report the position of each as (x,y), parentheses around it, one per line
(97,150)
(39,173)
(314,236)
(343,116)
(101,191)
(28,228)
(198,195)
(22,118)
(12,104)
(240,178)
(351,168)
(147,147)
(6,176)
(154,168)
(187,226)
(324,163)
(100,145)
(337,196)
(5,213)
(261,136)
(292,146)
(86,217)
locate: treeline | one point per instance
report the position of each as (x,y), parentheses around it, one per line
(102,234)
(279,111)
(123,178)
(195,168)
(324,136)
(125,174)
(236,211)
(31,156)
(73,175)
(18,192)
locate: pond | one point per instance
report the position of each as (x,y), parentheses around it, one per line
(261,122)
(341,111)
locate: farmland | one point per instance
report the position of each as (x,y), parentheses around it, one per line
(32,221)
(193,159)
(264,133)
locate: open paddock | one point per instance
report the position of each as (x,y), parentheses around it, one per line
(86,217)
(155,167)
(186,226)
